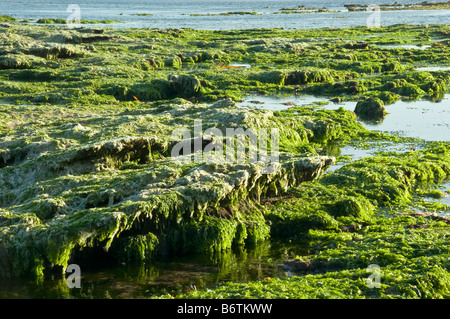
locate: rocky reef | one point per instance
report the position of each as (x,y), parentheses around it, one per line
(101,158)
(89,193)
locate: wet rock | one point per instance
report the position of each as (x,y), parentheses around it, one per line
(89,38)
(348,207)
(15,61)
(184,85)
(49,207)
(370,109)
(388,97)
(103,198)
(113,152)
(275,77)
(301,265)
(174,62)
(134,248)
(434,87)
(311,75)
(155,63)
(361,45)
(224,103)
(323,130)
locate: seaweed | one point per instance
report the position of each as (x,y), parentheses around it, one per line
(87,172)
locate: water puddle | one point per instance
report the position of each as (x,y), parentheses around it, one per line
(354,152)
(433,68)
(204,66)
(163,276)
(423,119)
(238,65)
(441,194)
(279,102)
(404,46)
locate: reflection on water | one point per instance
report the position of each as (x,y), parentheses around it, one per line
(433,68)
(444,194)
(424,119)
(370,149)
(165,275)
(279,102)
(404,46)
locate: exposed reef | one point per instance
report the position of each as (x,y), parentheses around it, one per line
(104,66)
(101,158)
(103,189)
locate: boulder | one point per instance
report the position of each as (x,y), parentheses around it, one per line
(370,109)
(184,85)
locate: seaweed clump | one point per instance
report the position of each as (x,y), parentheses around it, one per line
(371,109)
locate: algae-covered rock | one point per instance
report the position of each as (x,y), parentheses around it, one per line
(308,76)
(50,52)
(370,109)
(92,172)
(352,194)
(388,97)
(434,87)
(15,61)
(161,207)
(117,181)
(7,18)
(184,85)
(274,77)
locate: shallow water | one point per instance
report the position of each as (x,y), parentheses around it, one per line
(404,46)
(422,119)
(444,188)
(176,13)
(433,68)
(357,153)
(164,275)
(279,102)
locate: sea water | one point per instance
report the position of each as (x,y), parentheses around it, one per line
(177,14)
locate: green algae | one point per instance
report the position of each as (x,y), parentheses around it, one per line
(411,252)
(96,188)
(225,13)
(371,109)
(86,170)
(282,61)
(6,18)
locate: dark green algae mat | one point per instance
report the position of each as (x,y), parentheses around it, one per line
(87,174)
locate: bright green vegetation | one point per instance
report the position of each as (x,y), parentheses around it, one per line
(339,218)
(412,254)
(57,65)
(6,18)
(87,173)
(108,180)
